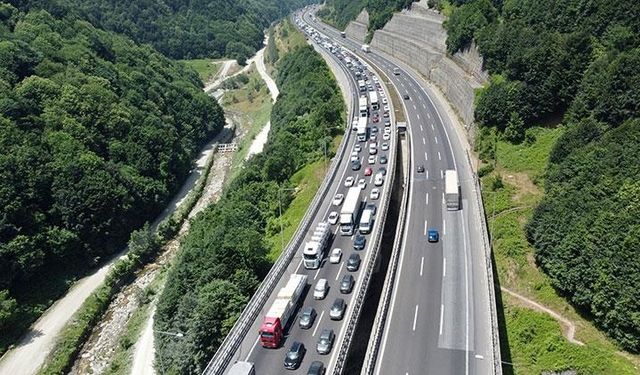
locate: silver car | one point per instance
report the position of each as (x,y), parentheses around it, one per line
(325,341)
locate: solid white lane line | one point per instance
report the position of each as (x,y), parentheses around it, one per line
(415,318)
(317,272)
(466,290)
(318,324)
(299,264)
(339,270)
(444,227)
(253,347)
(439,156)
(441,317)
(421,265)
(425,227)
(424,141)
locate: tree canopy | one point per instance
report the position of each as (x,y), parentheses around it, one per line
(341,12)
(96,133)
(181,29)
(223,256)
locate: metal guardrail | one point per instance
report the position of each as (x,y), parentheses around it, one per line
(377,239)
(222,358)
(497,360)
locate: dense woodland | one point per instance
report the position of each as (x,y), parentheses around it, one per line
(181,29)
(223,257)
(340,12)
(574,62)
(96,133)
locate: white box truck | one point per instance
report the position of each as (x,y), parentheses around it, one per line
(314,249)
(242,368)
(373,98)
(349,212)
(451,190)
(362,129)
(362,106)
(366,221)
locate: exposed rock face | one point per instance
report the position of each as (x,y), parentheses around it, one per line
(358,29)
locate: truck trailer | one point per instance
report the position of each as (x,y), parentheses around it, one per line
(282,309)
(350,211)
(314,249)
(362,129)
(362,106)
(452,190)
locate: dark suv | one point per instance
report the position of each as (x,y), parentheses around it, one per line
(353,263)
(359,242)
(293,359)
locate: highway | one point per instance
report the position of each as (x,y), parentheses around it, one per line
(439,314)
(270,361)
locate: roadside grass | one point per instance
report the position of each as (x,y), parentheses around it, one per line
(536,341)
(206,68)
(288,37)
(306,181)
(123,357)
(251,103)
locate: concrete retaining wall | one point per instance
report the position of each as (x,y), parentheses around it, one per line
(417,38)
(358,29)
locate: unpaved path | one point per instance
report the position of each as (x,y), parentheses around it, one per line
(569,329)
(220,76)
(258,143)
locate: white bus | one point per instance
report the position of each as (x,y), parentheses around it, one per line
(373,98)
(363,107)
(362,129)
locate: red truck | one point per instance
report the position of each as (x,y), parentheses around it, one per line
(281,311)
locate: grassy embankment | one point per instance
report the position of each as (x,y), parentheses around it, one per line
(206,68)
(535,340)
(308,179)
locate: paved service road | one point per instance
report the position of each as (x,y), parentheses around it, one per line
(439,313)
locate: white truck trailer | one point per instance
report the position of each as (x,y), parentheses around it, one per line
(282,309)
(314,249)
(350,211)
(362,129)
(373,98)
(452,190)
(362,106)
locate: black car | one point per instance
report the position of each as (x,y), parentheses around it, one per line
(359,242)
(294,356)
(307,317)
(337,309)
(383,159)
(353,263)
(346,284)
(406,96)
(382,170)
(421,168)
(316,368)
(371,207)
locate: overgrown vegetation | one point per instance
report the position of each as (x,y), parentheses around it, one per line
(181,29)
(96,135)
(341,12)
(223,257)
(206,68)
(574,63)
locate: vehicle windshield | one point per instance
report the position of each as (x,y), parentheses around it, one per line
(266,335)
(292,355)
(309,257)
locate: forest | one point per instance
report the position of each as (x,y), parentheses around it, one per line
(96,134)
(573,63)
(180,29)
(223,257)
(341,12)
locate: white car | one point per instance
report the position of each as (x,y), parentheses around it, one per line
(372,159)
(348,182)
(362,183)
(333,218)
(375,194)
(354,154)
(379,179)
(386,108)
(385,101)
(357,148)
(385,137)
(336,255)
(387,130)
(337,199)
(385,146)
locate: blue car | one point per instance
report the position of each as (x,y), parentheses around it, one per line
(432,235)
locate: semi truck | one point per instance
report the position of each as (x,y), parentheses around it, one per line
(282,309)
(362,106)
(314,249)
(242,368)
(362,129)
(350,211)
(451,190)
